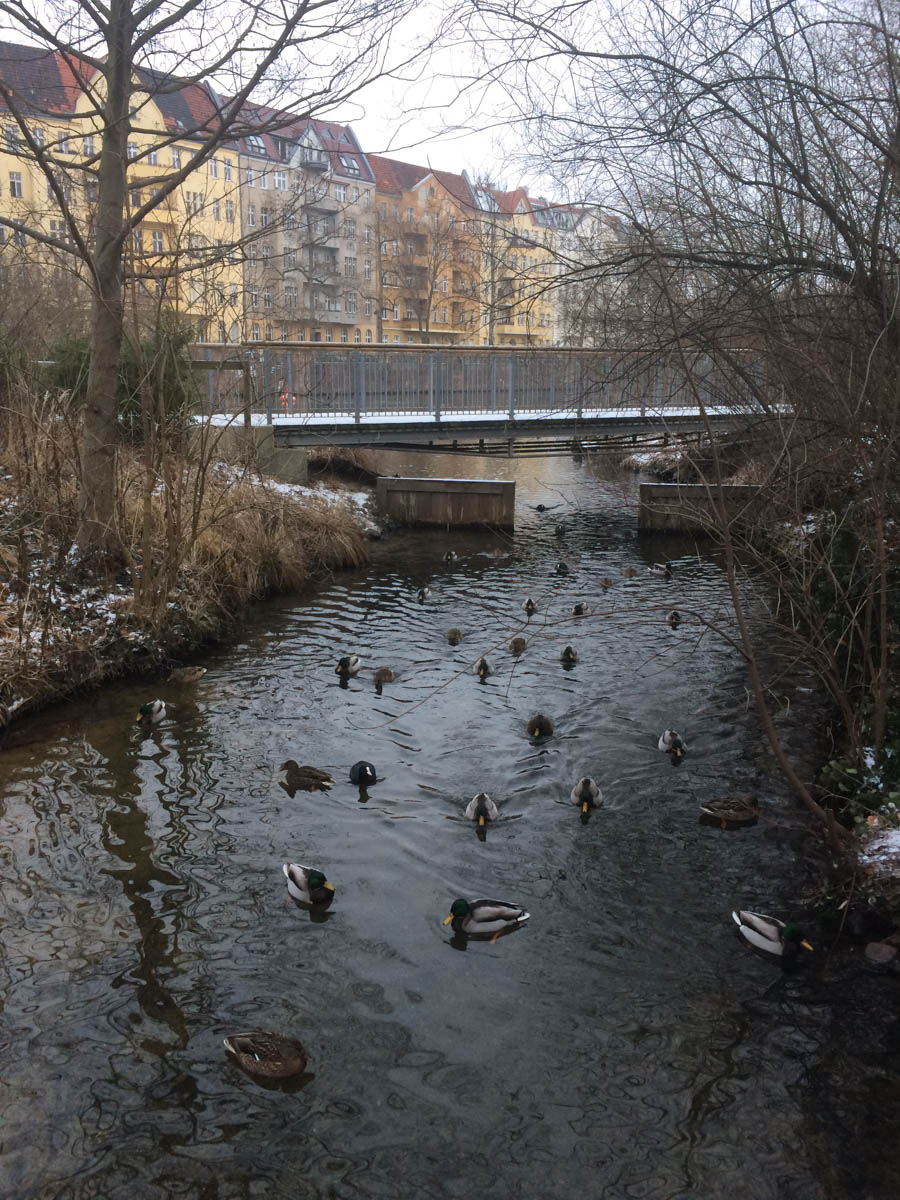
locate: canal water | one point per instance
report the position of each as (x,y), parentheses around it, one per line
(621,1044)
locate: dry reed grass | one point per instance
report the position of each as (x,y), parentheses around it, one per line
(201,541)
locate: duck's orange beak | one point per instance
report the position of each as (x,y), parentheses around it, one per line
(584,806)
(805,944)
(481,819)
(447,920)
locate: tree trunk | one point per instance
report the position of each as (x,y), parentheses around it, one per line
(97,533)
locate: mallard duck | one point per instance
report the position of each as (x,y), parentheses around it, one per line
(560,531)
(518,645)
(348,665)
(770,934)
(606,582)
(674,618)
(363,772)
(186,674)
(451,556)
(482,808)
(304,779)
(482,918)
(266,1054)
(544,507)
(568,654)
(581,609)
(539,726)
(629,572)
(151,713)
(663,569)
(530,607)
(482,668)
(306,885)
(671,743)
(383,675)
(586,794)
(732,810)
(423,594)
(454,636)
(562,568)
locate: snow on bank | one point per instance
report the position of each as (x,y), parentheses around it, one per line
(359,502)
(882,852)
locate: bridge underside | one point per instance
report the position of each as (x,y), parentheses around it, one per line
(522,437)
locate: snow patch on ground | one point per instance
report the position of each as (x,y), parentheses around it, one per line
(883,850)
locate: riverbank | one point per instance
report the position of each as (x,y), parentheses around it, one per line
(185,584)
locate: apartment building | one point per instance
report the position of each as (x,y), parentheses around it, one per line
(427,257)
(307,201)
(181,251)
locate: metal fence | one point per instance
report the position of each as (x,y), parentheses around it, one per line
(302,380)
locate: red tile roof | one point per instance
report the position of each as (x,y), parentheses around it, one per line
(393,177)
(41,80)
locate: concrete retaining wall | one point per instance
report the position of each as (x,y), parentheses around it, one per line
(680,506)
(447,502)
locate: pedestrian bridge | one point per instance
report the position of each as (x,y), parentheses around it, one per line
(463,400)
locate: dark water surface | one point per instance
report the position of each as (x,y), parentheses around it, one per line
(622,1044)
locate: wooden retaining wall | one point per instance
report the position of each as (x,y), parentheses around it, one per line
(447,502)
(677,507)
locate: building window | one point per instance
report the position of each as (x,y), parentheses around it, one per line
(367,269)
(410,315)
(91,191)
(264,214)
(349,229)
(343,335)
(290,296)
(226,163)
(443,283)
(349,265)
(367,235)
(132,149)
(354,195)
(214,168)
(340,191)
(410,217)
(267,298)
(12,138)
(38,137)
(15,184)
(356,335)
(217,212)
(176,158)
(153,157)
(267,251)
(350,304)
(87,146)
(367,199)
(251,177)
(251,214)
(368,331)
(329,334)
(268,333)
(263,180)
(157,242)
(232,293)
(254,297)
(280,181)
(229,210)
(290,256)
(368,307)
(255,332)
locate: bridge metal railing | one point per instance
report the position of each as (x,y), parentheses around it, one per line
(303,381)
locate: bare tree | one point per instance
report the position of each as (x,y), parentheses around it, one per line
(120,57)
(753,154)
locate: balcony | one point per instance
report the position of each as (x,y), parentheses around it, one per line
(312,160)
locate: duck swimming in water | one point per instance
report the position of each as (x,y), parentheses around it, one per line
(674,618)
(518,645)
(482,808)
(348,665)
(454,636)
(482,668)
(663,569)
(451,556)
(303,778)
(306,885)
(151,713)
(568,655)
(268,1055)
(423,594)
(383,675)
(539,726)
(770,934)
(530,607)
(483,918)
(671,743)
(587,795)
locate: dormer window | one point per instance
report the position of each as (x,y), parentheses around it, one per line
(255,144)
(350,165)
